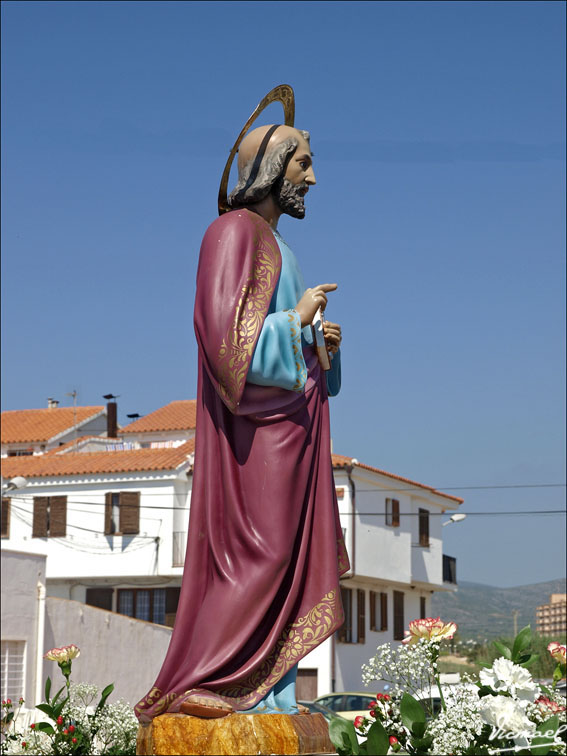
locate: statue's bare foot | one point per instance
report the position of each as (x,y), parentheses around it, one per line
(303,709)
(205,707)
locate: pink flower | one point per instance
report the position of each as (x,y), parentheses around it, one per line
(430,628)
(358,722)
(393,740)
(61,655)
(73,740)
(546,706)
(558,652)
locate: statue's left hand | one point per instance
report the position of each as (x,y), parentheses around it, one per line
(333,337)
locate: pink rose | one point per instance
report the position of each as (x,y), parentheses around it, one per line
(61,655)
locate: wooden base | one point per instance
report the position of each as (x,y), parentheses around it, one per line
(183,735)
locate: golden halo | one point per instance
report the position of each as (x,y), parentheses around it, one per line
(282,93)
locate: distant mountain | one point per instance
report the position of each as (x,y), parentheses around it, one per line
(483,611)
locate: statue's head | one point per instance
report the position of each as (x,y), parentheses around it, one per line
(276,160)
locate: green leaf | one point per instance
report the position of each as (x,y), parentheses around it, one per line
(486,665)
(522,641)
(542,743)
(532,658)
(557,673)
(45,727)
(378,741)
(47,688)
(104,695)
(501,648)
(343,736)
(413,715)
(47,709)
(56,696)
(545,690)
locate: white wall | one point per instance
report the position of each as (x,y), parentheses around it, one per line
(23,609)
(86,551)
(127,652)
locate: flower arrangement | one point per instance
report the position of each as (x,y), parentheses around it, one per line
(505,711)
(77,725)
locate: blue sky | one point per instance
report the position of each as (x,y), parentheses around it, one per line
(438,133)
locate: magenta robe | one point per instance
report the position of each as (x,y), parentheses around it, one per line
(265,548)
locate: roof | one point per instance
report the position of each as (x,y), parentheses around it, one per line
(341,461)
(33,425)
(178,415)
(94,463)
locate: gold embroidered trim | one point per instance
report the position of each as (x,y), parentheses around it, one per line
(238,345)
(295,642)
(300,369)
(342,554)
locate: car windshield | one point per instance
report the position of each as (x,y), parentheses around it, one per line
(356,703)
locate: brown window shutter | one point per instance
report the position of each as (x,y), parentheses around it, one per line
(395,513)
(130,512)
(39,527)
(5,518)
(372,598)
(383,611)
(423,527)
(399,624)
(107,513)
(361,624)
(345,631)
(57,516)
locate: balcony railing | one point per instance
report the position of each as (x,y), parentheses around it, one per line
(449,569)
(179,546)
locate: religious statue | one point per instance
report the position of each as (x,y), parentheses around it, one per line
(265,549)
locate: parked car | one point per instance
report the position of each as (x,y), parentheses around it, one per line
(348,704)
(317,708)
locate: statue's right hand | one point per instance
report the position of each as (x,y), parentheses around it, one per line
(311,301)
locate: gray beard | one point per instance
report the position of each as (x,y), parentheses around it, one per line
(288,198)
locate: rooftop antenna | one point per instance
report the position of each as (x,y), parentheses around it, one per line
(73,393)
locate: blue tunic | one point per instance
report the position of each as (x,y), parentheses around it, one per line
(278,357)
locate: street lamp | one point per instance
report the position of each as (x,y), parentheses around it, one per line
(457,517)
(14,484)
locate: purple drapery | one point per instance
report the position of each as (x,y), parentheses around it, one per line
(265,548)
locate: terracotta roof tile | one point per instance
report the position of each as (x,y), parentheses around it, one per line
(93,463)
(35,425)
(177,415)
(341,461)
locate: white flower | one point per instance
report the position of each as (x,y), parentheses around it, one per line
(510,678)
(508,719)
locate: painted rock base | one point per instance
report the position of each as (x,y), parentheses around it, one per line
(182,735)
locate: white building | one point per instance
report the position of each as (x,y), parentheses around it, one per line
(111,516)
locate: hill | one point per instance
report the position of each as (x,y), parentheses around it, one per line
(483,611)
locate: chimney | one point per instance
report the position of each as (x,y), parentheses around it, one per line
(52,403)
(111,420)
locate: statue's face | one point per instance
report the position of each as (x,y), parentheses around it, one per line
(290,191)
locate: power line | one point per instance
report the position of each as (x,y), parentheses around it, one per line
(430,489)
(358,513)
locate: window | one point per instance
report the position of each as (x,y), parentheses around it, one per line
(143,603)
(346,632)
(20,453)
(49,517)
(378,611)
(5,518)
(422,607)
(361,624)
(13,662)
(100,597)
(393,512)
(122,513)
(423,527)
(399,623)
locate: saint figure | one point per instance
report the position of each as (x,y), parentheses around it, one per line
(265,548)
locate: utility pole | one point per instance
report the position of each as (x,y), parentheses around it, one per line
(74,395)
(515,612)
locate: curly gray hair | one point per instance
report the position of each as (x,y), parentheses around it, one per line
(272,168)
